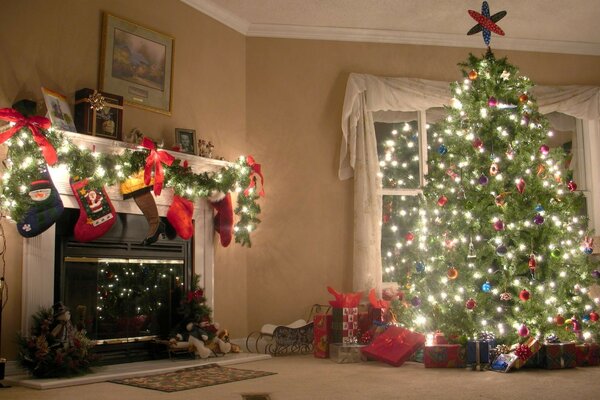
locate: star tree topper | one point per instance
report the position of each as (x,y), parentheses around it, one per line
(486,23)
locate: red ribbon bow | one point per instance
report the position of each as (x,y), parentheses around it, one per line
(255,168)
(34,124)
(156,159)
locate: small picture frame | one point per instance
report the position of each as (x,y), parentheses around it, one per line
(186,139)
(58,110)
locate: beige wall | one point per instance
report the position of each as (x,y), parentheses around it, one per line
(56,43)
(295,91)
(278,99)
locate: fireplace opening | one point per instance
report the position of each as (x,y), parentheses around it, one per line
(123,294)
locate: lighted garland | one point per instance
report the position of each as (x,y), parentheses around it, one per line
(25,164)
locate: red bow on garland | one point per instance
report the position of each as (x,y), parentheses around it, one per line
(156,159)
(35,124)
(255,168)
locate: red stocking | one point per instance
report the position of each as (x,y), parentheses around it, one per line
(180,216)
(224,219)
(96,212)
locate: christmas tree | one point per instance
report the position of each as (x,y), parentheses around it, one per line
(499,239)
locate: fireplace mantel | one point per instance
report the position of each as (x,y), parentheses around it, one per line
(38,252)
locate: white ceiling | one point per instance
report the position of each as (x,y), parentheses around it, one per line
(560,26)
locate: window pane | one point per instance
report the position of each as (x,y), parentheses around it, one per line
(398,149)
(399,236)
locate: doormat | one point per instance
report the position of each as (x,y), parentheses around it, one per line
(192,378)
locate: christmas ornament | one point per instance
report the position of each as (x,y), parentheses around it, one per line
(492,102)
(501,250)
(452,273)
(539,208)
(223,219)
(486,23)
(442,149)
(523,98)
(97,101)
(442,201)
(415,301)
(486,287)
(471,253)
(505,75)
(499,225)
(559,320)
(471,304)
(596,274)
(538,219)
(46,207)
(586,318)
(524,295)
(588,245)
(544,149)
(135,186)
(556,253)
(420,266)
(180,215)
(540,170)
(472,75)
(505,296)
(576,325)
(96,212)
(523,331)
(594,316)
(483,180)
(572,186)
(409,236)
(499,200)
(477,143)
(494,169)
(521,185)
(532,264)
(366,338)
(552,338)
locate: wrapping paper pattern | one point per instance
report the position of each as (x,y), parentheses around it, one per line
(559,355)
(321,333)
(444,356)
(587,354)
(394,346)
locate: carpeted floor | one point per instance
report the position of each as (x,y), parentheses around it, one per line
(304,377)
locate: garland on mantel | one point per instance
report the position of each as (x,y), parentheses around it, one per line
(32,143)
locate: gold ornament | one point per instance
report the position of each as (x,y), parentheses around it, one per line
(97,101)
(472,75)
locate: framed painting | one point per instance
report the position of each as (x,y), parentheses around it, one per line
(59,111)
(137,63)
(186,139)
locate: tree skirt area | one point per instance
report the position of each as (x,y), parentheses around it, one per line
(192,378)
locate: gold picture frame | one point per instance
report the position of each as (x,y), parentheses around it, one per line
(136,62)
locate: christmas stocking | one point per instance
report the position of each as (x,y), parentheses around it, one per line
(47,207)
(224,217)
(180,216)
(146,203)
(96,212)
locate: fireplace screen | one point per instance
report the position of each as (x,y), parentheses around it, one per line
(121,300)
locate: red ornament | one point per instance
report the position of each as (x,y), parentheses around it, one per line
(544,149)
(572,186)
(499,225)
(532,263)
(524,295)
(442,201)
(523,98)
(477,143)
(472,75)
(409,236)
(594,316)
(452,273)
(470,304)
(559,319)
(492,102)
(521,185)
(523,330)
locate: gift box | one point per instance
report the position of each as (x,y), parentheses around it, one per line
(558,355)
(439,338)
(444,356)
(99,113)
(346,353)
(478,351)
(394,346)
(587,354)
(344,327)
(504,362)
(523,355)
(321,332)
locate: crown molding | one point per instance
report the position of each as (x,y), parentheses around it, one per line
(220,14)
(386,36)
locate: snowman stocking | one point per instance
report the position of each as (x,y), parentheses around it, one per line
(96,212)
(47,207)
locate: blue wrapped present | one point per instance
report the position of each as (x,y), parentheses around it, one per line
(478,351)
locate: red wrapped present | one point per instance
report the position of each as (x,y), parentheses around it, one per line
(587,354)
(394,346)
(444,356)
(321,332)
(344,328)
(525,351)
(558,355)
(439,338)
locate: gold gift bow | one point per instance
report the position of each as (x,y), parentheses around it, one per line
(94,111)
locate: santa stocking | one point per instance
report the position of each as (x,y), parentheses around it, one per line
(180,216)
(96,212)
(47,207)
(224,217)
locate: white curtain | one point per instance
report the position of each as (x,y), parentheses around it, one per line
(367,94)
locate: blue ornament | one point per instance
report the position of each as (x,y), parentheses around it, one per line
(420,266)
(539,208)
(588,250)
(501,250)
(486,287)
(442,149)
(586,317)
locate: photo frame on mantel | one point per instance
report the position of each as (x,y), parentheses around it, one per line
(136,62)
